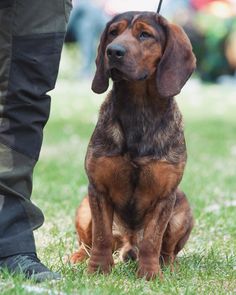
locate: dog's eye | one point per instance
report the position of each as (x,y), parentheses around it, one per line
(145,35)
(113,33)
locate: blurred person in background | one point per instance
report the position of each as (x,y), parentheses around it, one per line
(86,23)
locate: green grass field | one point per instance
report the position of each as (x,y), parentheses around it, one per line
(208,263)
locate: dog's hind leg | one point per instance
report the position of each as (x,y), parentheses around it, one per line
(177,231)
(83,223)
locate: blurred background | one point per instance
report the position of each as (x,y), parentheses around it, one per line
(210,25)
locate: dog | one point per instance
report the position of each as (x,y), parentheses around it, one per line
(137,153)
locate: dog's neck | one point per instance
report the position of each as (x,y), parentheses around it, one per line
(139,94)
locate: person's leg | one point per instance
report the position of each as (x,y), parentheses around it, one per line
(31,38)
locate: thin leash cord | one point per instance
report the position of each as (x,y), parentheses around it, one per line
(159,6)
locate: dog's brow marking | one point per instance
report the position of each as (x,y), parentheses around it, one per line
(135,18)
(120,25)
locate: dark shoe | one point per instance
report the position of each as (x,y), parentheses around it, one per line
(29,265)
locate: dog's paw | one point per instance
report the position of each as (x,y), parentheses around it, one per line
(79,256)
(167,261)
(149,272)
(101,264)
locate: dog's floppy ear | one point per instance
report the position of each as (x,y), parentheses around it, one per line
(178,61)
(101,79)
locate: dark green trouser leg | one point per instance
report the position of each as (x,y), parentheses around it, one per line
(31,39)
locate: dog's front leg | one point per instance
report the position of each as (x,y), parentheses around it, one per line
(102,218)
(150,246)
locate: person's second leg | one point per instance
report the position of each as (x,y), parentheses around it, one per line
(31,39)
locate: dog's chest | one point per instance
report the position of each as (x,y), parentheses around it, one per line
(132,188)
(138,133)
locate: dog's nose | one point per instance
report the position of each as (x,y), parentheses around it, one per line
(115,52)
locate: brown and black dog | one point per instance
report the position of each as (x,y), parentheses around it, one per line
(137,154)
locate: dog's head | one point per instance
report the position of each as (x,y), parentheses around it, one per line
(135,45)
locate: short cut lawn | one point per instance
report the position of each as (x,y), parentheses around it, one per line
(207,265)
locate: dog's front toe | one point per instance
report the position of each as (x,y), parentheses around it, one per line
(149,272)
(100,264)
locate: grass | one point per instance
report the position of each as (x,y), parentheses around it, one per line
(208,263)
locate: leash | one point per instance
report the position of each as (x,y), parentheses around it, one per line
(159,6)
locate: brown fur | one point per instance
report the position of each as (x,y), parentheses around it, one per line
(136,156)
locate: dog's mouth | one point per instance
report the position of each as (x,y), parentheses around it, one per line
(118,75)
(143,76)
